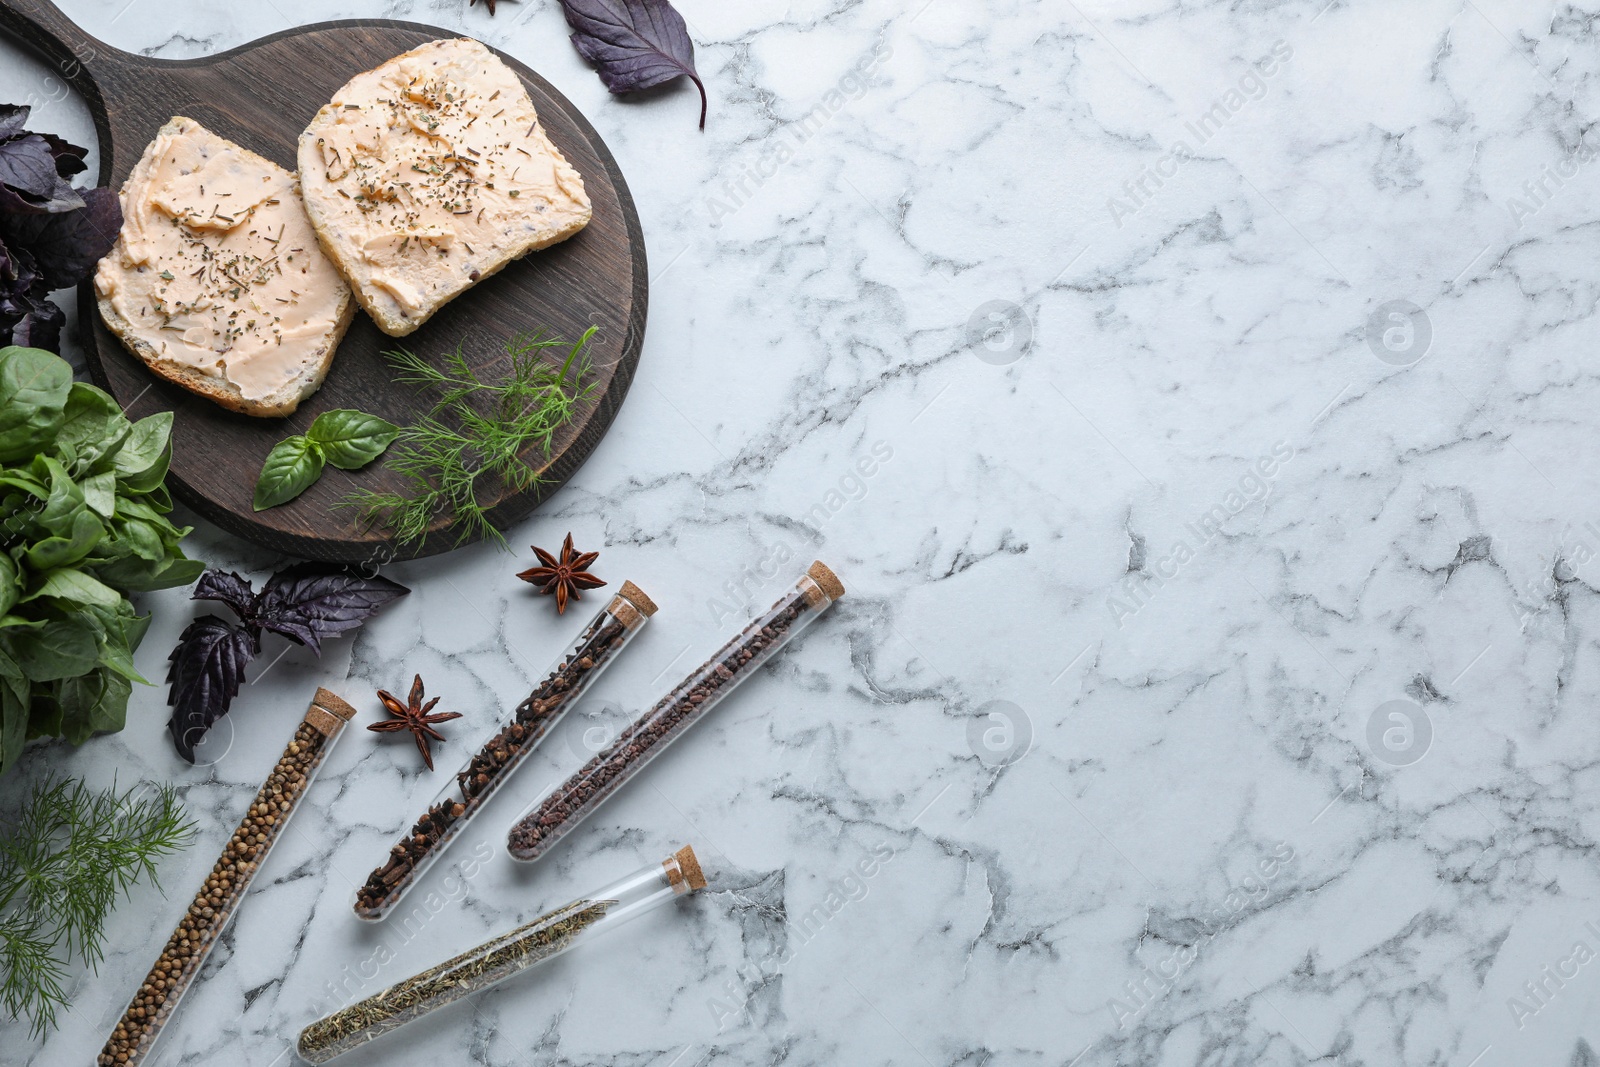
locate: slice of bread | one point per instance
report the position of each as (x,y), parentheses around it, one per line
(224,292)
(429,173)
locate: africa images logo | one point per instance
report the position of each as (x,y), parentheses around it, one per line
(1252,86)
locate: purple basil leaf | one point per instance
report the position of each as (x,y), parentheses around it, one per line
(27,165)
(27,317)
(62,198)
(12,118)
(311,602)
(65,198)
(207,668)
(32,322)
(68,245)
(18,271)
(68,156)
(228,588)
(634,44)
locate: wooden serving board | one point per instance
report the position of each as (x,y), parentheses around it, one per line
(262,96)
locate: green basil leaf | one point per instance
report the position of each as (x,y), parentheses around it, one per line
(130,573)
(115,655)
(140,538)
(18,515)
(13,726)
(180,572)
(291,468)
(351,439)
(77,724)
(65,501)
(21,479)
(61,648)
(92,423)
(110,712)
(142,461)
(170,534)
(159,499)
(76,587)
(134,628)
(33,391)
(130,507)
(173,573)
(11,673)
(136,575)
(117,639)
(44,713)
(10,584)
(100,492)
(85,533)
(94,703)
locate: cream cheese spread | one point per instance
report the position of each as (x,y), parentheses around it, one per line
(217,267)
(432,170)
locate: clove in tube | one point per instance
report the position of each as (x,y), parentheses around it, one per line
(599,643)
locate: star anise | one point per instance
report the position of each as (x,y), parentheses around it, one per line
(490,3)
(413,716)
(563,577)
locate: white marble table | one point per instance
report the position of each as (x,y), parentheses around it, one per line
(1236,367)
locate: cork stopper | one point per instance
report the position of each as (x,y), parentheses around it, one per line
(328,714)
(683,871)
(631,607)
(332,702)
(826,580)
(637,598)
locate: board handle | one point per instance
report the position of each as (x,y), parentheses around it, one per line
(81,61)
(44,28)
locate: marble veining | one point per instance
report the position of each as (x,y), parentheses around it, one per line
(1194,399)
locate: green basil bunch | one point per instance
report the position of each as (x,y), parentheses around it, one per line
(83,509)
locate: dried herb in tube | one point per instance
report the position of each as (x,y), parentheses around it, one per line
(214,906)
(600,642)
(496,960)
(553,817)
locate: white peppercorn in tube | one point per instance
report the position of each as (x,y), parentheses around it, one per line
(225,886)
(553,816)
(498,959)
(600,642)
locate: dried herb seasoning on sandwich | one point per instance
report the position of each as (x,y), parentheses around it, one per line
(217,282)
(428,174)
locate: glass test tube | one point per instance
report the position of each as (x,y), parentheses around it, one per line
(214,906)
(461,798)
(498,959)
(555,815)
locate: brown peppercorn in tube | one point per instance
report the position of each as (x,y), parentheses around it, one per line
(553,816)
(600,642)
(225,886)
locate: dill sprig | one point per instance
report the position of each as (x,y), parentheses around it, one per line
(70,854)
(475,434)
